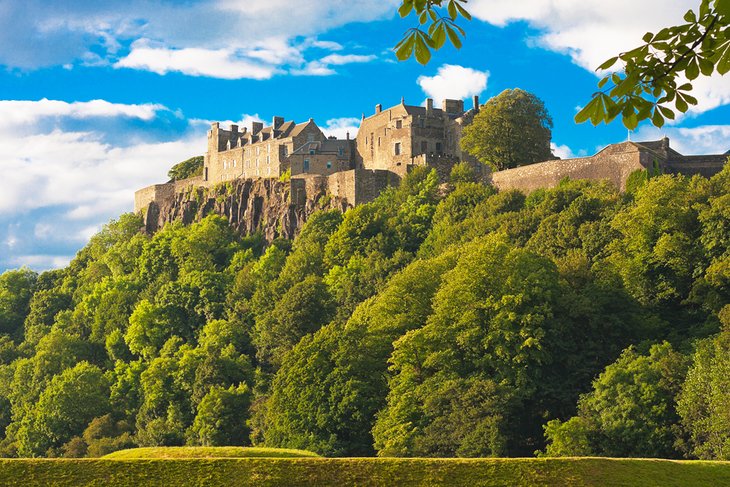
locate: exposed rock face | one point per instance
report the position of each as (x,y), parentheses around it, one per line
(250,205)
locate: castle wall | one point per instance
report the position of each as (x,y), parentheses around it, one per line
(156,192)
(611,165)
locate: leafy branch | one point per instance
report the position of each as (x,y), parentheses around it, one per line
(420,40)
(656,77)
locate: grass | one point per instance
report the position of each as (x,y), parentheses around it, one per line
(207,452)
(362,472)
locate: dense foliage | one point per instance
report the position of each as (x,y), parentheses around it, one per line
(512,129)
(186,169)
(433,321)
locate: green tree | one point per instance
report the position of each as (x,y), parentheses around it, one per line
(221,417)
(703,402)
(187,168)
(64,409)
(629,413)
(512,129)
(16,290)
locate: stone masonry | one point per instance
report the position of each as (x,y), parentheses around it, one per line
(389,144)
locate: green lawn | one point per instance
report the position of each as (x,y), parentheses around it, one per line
(343,472)
(207,452)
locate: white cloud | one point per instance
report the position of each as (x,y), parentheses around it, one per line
(591,31)
(340,127)
(453,82)
(321,67)
(561,151)
(705,139)
(220,38)
(216,63)
(18,113)
(41,262)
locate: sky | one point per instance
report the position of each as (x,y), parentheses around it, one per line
(98,99)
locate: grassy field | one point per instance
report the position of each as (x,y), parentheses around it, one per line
(207,452)
(362,472)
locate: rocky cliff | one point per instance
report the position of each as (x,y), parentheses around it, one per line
(250,205)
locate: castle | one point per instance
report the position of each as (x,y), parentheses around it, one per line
(388,145)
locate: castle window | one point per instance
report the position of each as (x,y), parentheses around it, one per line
(438,147)
(286,151)
(329,164)
(342,151)
(424,147)
(311,152)
(305,167)
(396,149)
(399,124)
(422,122)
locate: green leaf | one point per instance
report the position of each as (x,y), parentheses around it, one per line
(404,49)
(423,53)
(452,10)
(439,36)
(693,70)
(657,119)
(630,121)
(463,12)
(453,36)
(723,7)
(681,104)
(723,62)
(706,66)
(589,111)
(423,18)
(608,63)
(406,8)
(647,37)
(667,112)
(690,16)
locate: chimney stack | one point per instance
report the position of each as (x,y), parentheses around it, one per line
(378,108)
(429,106)
(277,122)
(256,127)
(234,128)
(348,135)
(476,103)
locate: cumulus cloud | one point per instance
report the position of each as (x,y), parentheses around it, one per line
(705,139)
(216,63)
(591,31)
(340,127)
(561,151)
(217,38)
(321,67)
(59,186)
(453,82)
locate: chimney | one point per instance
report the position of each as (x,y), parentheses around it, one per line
(378,108)
(476,103)
(256,127)
(243,132)
(234,128)
(665,144)
(277,122)
(348,135)
(453,107)
(429,106)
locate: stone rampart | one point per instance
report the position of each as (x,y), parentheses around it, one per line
(614,166)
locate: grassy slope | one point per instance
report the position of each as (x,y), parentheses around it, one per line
(207,452)
(362,471)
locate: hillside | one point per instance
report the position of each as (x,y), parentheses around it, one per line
(365,472)
(431,322)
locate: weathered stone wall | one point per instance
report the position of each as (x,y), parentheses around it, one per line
(614,164)
(706,166)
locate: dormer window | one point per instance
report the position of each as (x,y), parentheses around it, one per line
(311,152)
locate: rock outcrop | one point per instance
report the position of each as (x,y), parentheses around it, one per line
(250,205)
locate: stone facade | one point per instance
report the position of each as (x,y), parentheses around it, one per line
(389,144)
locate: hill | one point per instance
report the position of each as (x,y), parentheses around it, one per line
(206,452)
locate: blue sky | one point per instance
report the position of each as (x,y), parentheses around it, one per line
(98,99)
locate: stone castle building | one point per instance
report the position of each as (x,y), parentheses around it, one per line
(388,145)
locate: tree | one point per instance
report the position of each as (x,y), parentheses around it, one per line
(629,413)
(512,129)
(64,409)
(186,169)
(221,418)
(703,402)
(653,75)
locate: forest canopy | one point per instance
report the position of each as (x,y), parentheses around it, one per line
(433,321)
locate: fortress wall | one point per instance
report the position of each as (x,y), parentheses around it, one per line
(369,183)
(156,192)
(614,167)
(706,166)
